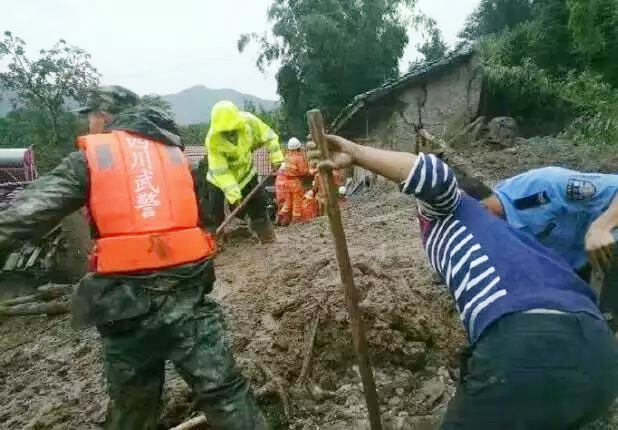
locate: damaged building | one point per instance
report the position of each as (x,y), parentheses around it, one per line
(441,97)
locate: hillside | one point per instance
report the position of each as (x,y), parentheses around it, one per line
(191,106)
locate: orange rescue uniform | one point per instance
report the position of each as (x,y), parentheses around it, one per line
(311,207)
(143,205)
(280,194)
(337,178)
(295,168)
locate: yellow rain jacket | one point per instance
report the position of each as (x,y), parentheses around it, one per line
(230,166)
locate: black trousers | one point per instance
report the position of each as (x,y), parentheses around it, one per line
(536,372)
(608,302)
(256,208)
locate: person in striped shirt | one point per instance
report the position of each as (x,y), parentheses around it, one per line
(540,354)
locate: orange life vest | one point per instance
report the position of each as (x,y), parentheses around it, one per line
(143,204)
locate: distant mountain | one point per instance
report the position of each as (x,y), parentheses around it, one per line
(193,105)
(190,106)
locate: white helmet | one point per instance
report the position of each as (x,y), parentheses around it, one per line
(342,190)
(294,143)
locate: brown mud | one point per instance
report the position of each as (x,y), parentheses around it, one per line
(282,300)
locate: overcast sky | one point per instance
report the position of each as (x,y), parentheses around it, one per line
(166,46)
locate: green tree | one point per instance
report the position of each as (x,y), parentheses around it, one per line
(194,134)
(45,90)
(555,66)
(434,47)
(593,28)
(158,102)
(495,16)
(331,50)
(48,85)
(271,117)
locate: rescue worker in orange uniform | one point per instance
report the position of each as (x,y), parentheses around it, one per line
(296,168)
(280,192)
(320,197)
(151,265)
(311,206)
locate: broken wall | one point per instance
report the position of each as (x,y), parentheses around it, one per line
(442,102)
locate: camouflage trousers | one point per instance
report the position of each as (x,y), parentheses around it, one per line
(135,352)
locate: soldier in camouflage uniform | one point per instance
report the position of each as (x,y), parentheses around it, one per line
(144,318)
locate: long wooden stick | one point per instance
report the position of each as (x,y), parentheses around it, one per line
(191,424)
(316,125)
(453,157)
(242,204)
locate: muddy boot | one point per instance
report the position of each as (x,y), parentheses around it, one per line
(264,229)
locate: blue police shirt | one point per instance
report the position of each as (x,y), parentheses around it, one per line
(557,205)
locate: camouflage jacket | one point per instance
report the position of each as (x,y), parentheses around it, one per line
(105,299)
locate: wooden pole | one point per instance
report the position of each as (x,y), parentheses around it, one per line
(316,126)
(453,158)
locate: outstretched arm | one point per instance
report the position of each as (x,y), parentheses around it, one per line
(45,202)
(423,175)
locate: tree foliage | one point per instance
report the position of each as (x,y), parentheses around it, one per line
(194,134)
(158,102)
(434,47)
(45,89)
(331,50)
(495,16)
(61,75)
(275,118)
(552,60)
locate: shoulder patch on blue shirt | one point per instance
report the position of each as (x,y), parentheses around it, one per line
(579,189)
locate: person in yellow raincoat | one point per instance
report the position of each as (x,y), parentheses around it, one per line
(231,140)
(296,169)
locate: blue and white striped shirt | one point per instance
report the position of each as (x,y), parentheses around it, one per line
(489,268)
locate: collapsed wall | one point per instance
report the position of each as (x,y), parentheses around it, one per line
(441,97)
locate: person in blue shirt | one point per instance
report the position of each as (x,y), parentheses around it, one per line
(571,212)
(541,356)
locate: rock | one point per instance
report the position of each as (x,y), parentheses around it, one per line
(341,316)
(319,394)
(421,423)
(49,415)
(394,401)
(345,389)
(502,130)
(430,393)
(357,424)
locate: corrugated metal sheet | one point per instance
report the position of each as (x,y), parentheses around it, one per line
(195,153)
(17,165)
(260,158)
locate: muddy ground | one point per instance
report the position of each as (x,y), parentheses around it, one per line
(275,298)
